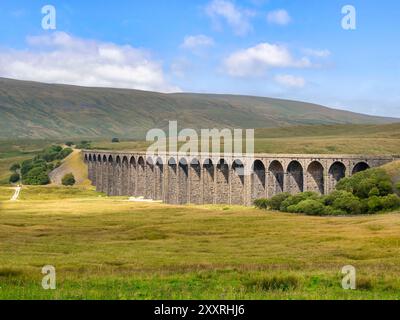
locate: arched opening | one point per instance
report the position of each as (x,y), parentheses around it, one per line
(172,191)
(294,177)
(99,174)
(149,179)
(183,175)
(222,191)
(258,180)
(275,178)
(208,182)
(104,185)
(315,177)
(86,158)
(125,177)
(159,178)
(195,194)
(336,172)
(237,183)
(132,177)
(141,176)
(110,190)
(118,177)
(361,166)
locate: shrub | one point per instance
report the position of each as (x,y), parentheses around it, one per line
(309,206)
(348,203)
(64,153)
(83,145)
(68,180)
(15,177)
(374,204)
(115,140)
(390,202)
(297,198)
(37,176)
(261,203)
(398,186)
(15,167)
(362,183)
(276,201)
(69,143)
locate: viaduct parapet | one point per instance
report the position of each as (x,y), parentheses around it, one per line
(219,179)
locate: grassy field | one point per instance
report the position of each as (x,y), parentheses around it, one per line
(354,139)
(106,248)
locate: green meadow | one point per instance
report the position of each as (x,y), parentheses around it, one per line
(110,248)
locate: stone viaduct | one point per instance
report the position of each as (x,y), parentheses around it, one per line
(219,179)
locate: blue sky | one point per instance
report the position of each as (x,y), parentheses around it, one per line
(287,49)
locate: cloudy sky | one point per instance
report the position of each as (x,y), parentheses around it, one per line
(279,48)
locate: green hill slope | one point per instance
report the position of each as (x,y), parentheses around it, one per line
(37,110)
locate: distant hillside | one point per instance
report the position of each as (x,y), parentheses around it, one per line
(37,110)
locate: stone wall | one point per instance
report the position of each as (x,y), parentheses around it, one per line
(217,179)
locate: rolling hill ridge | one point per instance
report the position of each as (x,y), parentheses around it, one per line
(38,110)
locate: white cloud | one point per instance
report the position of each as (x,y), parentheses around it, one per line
(254,61)
(235,17)
(62,58)
(194,42)
(290,81)
(317,53)
(280,17)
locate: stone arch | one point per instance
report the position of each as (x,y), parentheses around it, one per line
(360,166)
(275,179)
(208,181)
(132,180)
(99,174)
(258,180)
(295,177)
(159,178)
(125,176)
(237,182)
(110,187)
(195,194)
(149,179)
(172,191)
(141,175)
(315,177)
(104,165)
(337,171)
(222,179)
(183,181)
(117,177)
(86,158)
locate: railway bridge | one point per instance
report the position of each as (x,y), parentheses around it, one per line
(219,178)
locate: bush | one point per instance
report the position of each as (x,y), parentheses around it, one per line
(68,180)
(64,153)
(348,203)
(69,143)
(390,202)
(15,177)
(374,204)
(37,176)
(398,186)
(115,140)
(297,198)
(15,167)
(276,201)
(363,182)
(261,203)
(309,206)
(84,145)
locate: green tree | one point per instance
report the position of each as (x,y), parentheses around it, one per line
(68,180)
(14,167)
(15,177)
